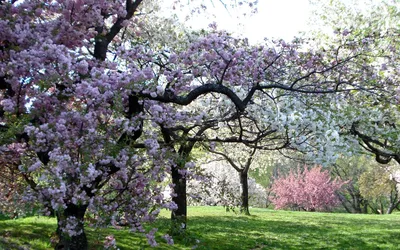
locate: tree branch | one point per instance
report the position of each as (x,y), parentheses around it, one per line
(170,97)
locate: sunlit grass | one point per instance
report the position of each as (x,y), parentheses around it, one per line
(213,228)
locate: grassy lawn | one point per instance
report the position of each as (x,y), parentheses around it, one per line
(213,228)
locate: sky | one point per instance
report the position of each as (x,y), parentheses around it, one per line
(277,18)
(274,19)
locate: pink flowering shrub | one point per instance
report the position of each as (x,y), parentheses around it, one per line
(308,189)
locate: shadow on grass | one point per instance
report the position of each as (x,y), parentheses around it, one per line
(264,230)
(230,232)
(33,235)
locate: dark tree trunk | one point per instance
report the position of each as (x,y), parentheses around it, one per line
(355,200)
(365,207)
(355,203)
(373,209)
(343,200)
(179,215)
(361,203)
(244,207)
(391,207)
(76,242)
(393,200)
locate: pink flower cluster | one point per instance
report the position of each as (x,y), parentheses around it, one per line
(110,242)
(309,189)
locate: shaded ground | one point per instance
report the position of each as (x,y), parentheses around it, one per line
(213,228)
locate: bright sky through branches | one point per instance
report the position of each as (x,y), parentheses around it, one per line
(274,19)
(277,18)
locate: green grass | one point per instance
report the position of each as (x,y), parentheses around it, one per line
(216,229)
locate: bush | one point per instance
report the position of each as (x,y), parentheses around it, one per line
(310,190)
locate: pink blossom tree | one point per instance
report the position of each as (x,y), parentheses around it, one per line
(308,189)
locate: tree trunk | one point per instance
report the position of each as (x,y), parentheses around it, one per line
(393,199)
(392,205)
(390,209)
(244,208)
(179,215)
(365,208)
(373,209)
(72,218)
(356,201)
(343,200)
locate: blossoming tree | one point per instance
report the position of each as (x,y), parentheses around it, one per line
(221,186)
(374,124)
(308,189)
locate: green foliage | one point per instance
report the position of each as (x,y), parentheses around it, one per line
(370,184)
(16,127)
(262,179)
(375,183)
(3,216)
(213,228)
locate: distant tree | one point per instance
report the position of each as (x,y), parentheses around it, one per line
(241,165)
(351,169)
(380,186)
(307,189)
(221,186)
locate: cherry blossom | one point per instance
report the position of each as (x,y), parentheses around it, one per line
(309,189)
